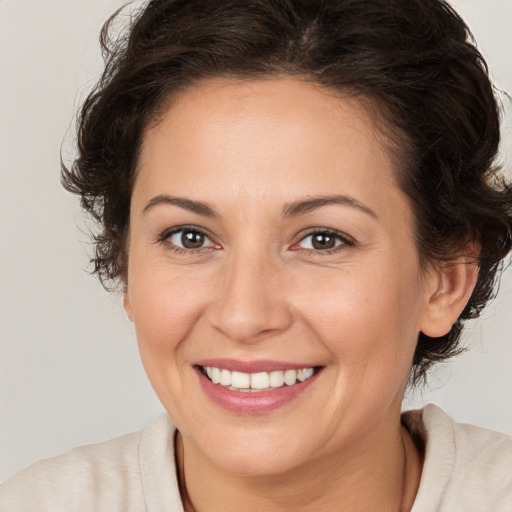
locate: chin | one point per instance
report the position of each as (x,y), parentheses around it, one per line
(253,452)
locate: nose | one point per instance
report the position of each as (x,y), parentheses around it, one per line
(250,303)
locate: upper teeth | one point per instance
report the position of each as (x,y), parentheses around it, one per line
(257,381)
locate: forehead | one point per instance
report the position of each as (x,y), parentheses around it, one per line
(274,98)
(226,137)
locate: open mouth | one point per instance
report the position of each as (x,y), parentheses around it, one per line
(257,382)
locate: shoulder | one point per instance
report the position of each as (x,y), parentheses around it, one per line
(101,477)
(466,467)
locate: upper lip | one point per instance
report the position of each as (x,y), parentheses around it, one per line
(234,365)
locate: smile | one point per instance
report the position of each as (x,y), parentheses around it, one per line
(256,382)
(254,387)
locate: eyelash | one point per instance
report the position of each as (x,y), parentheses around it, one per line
(346,240)
(164,238)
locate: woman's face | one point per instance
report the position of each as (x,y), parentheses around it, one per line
(268,235)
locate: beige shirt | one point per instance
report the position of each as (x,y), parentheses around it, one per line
(466,469)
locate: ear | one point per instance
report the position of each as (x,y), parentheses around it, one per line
(450,286)
(126,303)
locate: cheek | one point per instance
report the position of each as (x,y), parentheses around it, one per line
(365,317)
(165,309)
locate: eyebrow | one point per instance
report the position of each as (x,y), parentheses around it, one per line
(187,204)
(293,209)
(303,206)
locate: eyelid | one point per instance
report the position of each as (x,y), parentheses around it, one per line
(165,238)
(346,240)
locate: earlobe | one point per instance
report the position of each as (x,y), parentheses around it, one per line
(451,287)
(127,305)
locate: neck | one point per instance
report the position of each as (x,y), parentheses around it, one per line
(372,474)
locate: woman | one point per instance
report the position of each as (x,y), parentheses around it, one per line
(300,203)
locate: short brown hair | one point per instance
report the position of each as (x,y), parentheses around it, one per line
(415,60)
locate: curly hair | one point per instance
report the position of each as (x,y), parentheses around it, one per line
(415,61)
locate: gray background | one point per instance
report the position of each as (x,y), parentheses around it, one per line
(69,367)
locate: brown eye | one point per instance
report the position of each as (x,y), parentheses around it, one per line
(192,239)
(188,238)
(325,241)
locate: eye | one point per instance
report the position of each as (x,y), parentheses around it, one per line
(325,240)
(188,238)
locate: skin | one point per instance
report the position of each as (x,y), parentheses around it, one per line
(248,150)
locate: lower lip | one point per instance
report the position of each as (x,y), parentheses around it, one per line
(258,402)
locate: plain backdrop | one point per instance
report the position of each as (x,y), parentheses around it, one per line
(69,367)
